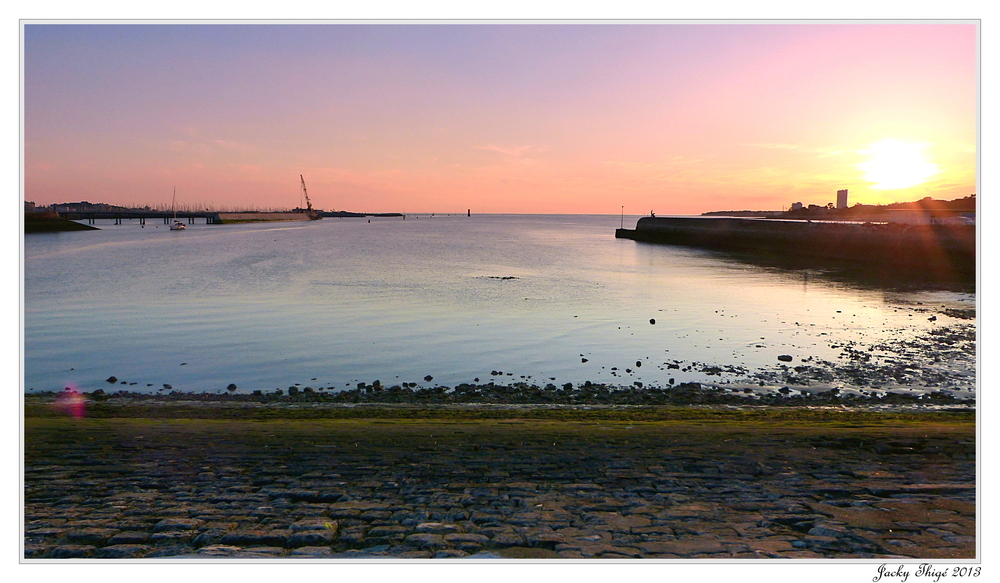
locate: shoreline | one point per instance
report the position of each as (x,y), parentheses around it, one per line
(937,365)
(689,400)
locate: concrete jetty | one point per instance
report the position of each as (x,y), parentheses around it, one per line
(254,217)
(948,249)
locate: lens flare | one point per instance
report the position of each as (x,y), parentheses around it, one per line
(71,402)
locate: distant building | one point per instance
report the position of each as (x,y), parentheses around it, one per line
(29,206)
(842,199)
(83,207)
(796,206)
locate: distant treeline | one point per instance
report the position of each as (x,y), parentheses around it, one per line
(859,211)
(763,214)
(100,207)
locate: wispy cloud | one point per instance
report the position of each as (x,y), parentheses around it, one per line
(517,152)
(659,164)
(822,152)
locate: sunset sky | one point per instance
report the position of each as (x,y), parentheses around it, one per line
(675,118)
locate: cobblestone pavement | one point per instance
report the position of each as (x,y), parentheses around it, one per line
(127,488)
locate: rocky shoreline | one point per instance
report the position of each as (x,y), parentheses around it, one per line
(481,397)
(935,367)
(831,483)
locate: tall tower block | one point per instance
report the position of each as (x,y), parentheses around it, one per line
(842,199)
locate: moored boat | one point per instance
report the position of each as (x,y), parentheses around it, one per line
(177,226)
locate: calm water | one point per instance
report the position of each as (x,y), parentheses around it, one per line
(340,301)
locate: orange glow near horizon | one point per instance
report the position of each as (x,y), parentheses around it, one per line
(679,119)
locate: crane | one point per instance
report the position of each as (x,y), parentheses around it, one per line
(313,214)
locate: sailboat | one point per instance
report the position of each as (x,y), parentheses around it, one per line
(177,226)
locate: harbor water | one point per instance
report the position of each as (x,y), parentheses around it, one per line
(443,300)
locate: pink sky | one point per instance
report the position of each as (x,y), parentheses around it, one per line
(498,118)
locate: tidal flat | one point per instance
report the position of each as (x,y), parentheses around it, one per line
(559,483)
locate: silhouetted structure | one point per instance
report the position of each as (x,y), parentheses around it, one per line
(946,250)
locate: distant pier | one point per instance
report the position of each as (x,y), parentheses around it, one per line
(939,248)
(211,218)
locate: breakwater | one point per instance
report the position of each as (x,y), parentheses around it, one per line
(947,250)
(51,223)
(255,217)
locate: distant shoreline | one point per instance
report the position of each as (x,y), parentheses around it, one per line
(51,223)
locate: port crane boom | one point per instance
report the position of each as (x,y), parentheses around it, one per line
(313,214)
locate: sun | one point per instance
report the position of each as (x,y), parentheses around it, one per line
(894,164)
